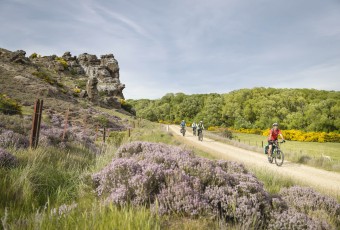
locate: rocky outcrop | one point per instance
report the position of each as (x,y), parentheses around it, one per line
(103,86)
(106,70)
(19,56)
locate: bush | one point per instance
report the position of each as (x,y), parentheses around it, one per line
(181,183)
(62,61)
(7,160)
(8,138)
(9,106)
(171,180)
(33,55)
(47,78)
(306,200)
(127,107)
(102,120)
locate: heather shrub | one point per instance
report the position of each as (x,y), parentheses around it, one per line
(291,219)
(307,200)
(172,180)
(8,138)
(7,160)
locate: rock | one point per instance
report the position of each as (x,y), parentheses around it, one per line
(83,94)
(19,57)
(92,91)
(68,57)
(111,102)
(22,79)
(106,70)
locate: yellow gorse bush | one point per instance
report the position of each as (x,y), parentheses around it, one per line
(76,90)
(62,61)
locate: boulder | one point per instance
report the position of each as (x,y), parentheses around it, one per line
(110,102)
(83,94)
(19,57)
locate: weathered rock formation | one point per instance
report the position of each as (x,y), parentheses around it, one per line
(106,70)
(92,91)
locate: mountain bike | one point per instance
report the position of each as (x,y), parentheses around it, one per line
(200,135)
(183,131)
(194,131)
(277,153)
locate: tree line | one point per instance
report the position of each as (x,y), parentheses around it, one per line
(257,108)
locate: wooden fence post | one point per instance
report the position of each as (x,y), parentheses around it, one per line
(39,123)
(34,123)
(34,139)
(262,144)
(129,132)
(66,123)
(104,135)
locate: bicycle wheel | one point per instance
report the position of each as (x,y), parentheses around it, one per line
(200,136)
(270,159)
(279,158)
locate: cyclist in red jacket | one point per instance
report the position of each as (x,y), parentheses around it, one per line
(273,135)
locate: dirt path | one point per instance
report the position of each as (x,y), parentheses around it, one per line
(318,178)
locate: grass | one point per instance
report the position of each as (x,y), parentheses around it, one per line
(48,178)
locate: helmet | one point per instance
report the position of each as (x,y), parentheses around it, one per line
(201,121)
(275,124)
(182,120)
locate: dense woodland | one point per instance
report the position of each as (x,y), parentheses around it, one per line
(257,108)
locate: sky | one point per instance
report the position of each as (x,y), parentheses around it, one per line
(189,46)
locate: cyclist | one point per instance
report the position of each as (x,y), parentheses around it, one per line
(200,127)
(272,138)
(183,127)
(194,127)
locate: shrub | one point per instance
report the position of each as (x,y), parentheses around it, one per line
(127,107)
(62,61)
(47,78)
(8,138)
(102,120)
(81,83)
(33,55)
(306,200)
(172,180)
(7,160)
(9,106)
(291,219)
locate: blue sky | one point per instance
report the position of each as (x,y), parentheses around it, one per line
(190,46)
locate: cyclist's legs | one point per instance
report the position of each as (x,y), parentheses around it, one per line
(270,145)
